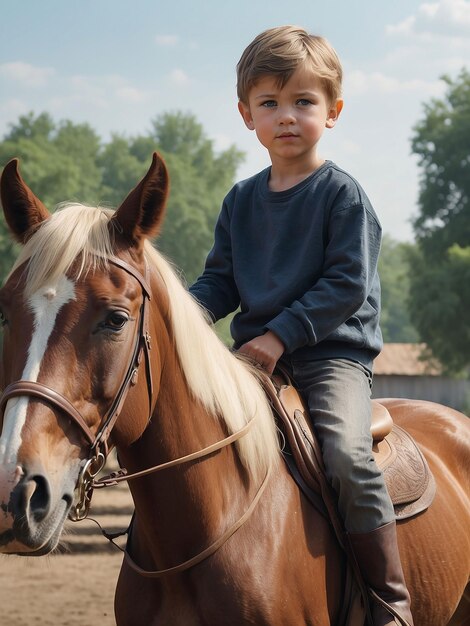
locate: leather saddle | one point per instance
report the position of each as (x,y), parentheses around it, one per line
(409,480)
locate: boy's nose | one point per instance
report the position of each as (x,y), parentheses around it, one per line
(286,115)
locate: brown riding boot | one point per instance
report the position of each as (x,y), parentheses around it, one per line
(378,559)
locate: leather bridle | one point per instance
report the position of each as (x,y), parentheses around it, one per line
(98,444)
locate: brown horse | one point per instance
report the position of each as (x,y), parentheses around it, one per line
(103,345)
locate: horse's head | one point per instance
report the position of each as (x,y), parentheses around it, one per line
(74,330)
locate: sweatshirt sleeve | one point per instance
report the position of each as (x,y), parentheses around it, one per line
(350,267)
(215,289)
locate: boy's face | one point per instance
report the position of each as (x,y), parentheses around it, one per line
(289,122)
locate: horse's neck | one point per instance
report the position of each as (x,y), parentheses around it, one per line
(184,506)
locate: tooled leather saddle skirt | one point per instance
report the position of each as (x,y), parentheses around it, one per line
(409,480)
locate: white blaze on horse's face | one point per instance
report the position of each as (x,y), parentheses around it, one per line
(45,305)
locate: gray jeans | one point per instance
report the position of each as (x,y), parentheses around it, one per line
(337,392)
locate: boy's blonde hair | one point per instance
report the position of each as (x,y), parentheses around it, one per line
(280,51)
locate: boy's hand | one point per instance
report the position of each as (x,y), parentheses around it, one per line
(266,350)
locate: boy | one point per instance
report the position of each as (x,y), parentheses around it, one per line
(296,247)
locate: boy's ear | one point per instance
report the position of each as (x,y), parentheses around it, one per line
(246,115)
(334,112)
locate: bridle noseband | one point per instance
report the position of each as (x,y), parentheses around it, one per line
(99,447)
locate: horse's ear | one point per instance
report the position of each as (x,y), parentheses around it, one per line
(23,211)
(140,216)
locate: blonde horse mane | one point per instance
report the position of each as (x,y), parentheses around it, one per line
(74,231)
(225,385)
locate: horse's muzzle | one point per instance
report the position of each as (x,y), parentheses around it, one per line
(37,517)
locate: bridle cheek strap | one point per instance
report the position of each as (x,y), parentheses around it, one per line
(99,442)
(142,346)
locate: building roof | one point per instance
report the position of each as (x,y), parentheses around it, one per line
(405,359)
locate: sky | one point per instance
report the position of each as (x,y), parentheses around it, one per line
(119,64)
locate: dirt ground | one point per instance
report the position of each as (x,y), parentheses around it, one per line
(74,587)
(62,590)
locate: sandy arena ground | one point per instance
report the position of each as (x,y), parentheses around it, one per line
(72,590)
(75,587)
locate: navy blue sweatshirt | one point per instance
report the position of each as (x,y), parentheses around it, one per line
(301,263)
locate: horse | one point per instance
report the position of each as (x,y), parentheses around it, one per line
(104,348)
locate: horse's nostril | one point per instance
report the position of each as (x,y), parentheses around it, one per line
(31,498)
(39,501)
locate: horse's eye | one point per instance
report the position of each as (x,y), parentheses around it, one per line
(3,319)
(116,320)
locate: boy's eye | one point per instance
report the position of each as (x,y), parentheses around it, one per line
(269,103)
(304,102)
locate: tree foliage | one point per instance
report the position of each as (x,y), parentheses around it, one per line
(69,162)
(440,266)
(199,181)
(442,318)
(442,143)
(57,160)
(393,270)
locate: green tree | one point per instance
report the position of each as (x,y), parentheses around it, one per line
(120,169)
(199,180)
(447,303)
(69,162)
(393,270)
(57,160)
(440,266)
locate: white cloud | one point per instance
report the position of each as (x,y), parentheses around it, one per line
(10,111)
(85,89)
(167,40)
(94,97)
(26,74)
(435,40)
(359,82)
(448,19)
(130,94)
(405,27)
(179,77)
(98,89)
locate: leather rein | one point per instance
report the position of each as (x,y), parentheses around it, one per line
(99,447)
